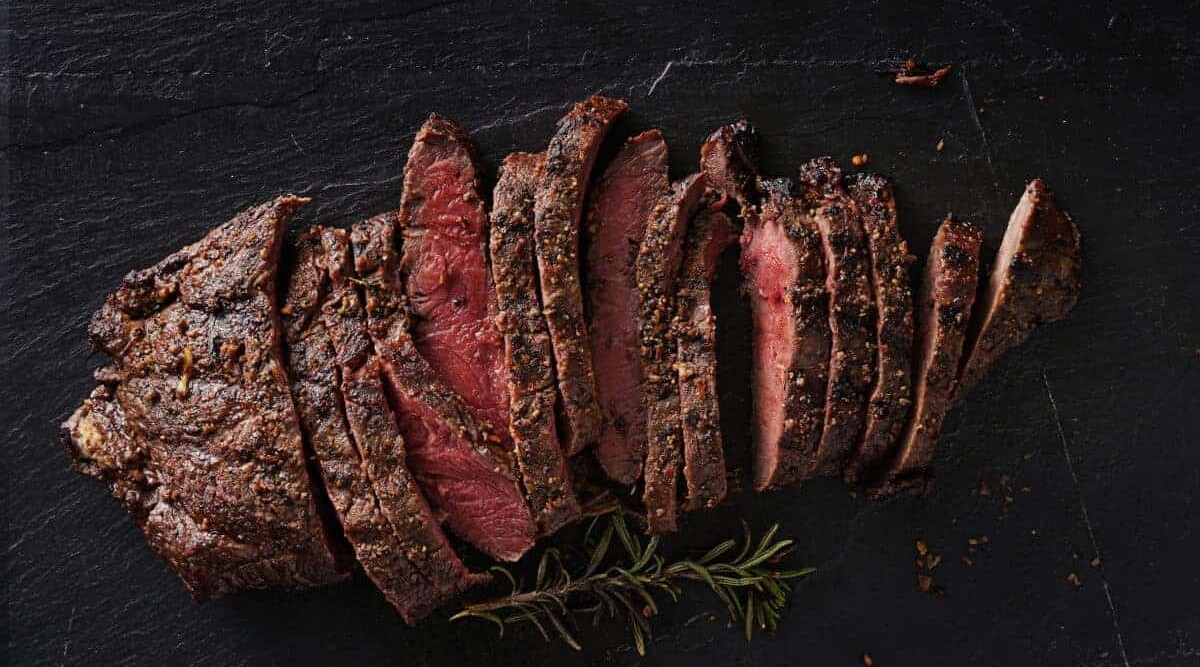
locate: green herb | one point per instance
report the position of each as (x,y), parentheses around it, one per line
(749,583)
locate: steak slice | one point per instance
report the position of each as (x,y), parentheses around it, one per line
(947,293)
(466,473)
(657,268)
(1035,279)
(851,313)
(557,207)
(193,425)
(621,201)
(729,157)
(527,350)
(890,282)
(783,263)
(695,326)
(351,464)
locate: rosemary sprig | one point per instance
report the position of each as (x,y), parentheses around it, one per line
(749,584)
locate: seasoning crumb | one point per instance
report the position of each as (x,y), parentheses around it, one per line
(984,490)
(1096,562)
(868,660)
(922,548)
(924,582)
(941,144)
(1075,580)
(859,160)
(967,560)
(934,560)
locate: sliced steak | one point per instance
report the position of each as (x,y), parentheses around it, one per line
(527,351)
(729,157)
(1035,279)
(193,425)
(890,282)
(656,269)
(468,476)
(557,209)
(851,313)
(709,233)
(783,263)
(621,201)
(388,556)
(947,293)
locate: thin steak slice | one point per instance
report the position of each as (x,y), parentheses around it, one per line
(527,350)
(380,544)
(557,209)
(890,282)
(851,313)
(947,293)
(193,425)
(784,268)
(620,202)
(729,158)
(377,434)
(657,268)
(468,476)
(1035,279)
(708,235)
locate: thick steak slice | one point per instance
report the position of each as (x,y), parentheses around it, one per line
(193,424)
(620,203)
(557,208)
(1035,279)
(947,293)
(729,158)
(443,263)
(890,282)
(851,313)
(527,350)
(784,268)
(708,235)
(656,269)
(468,476)
(376,433)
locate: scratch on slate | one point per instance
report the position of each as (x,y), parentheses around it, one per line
(67,638)
(987,149)
(1087,522)
(661,76)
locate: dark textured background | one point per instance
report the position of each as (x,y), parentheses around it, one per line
(130,131)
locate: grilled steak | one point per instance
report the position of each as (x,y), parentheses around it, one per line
(193,426)
(729,157)
(656,269)
(1035,279)
(851,312)
(620,203)
(527,349)
(467,474)
(695,326)
(784,267)
(387,535)
(890,260)
(557,208)
(947,293)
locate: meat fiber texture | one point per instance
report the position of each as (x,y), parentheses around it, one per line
(193,425)
(1035,279)
(620,203)
(558,208)
(947,295)
(466,472)
(528,353)
(784,268)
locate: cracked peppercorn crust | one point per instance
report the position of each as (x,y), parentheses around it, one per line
(557,209)
(657,268)
(193,425)
(527,349)
(890,263)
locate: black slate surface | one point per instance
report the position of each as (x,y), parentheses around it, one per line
(129,131)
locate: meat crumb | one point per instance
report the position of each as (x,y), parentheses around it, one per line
(1075,580)
(859,160)
(1096,562)
(907,76)
(924,582)
(922,548)
(941,144)
(868,660)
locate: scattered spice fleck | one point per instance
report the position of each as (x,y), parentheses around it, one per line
(1026,489)
(967,560)
(924,582)
(1096,562)
(1041,98)
(1075,580)
(859,160)
(941,144)
(934,560)
(984,490)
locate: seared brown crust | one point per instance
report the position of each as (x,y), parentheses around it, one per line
(695,327)
(890,263)
(1035,279)
(729,158)
(419,538)
(557,208)
(789,456)
(193,424)
(947,293)
(657,268)
(851,313)
(527,347)
(407,372)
